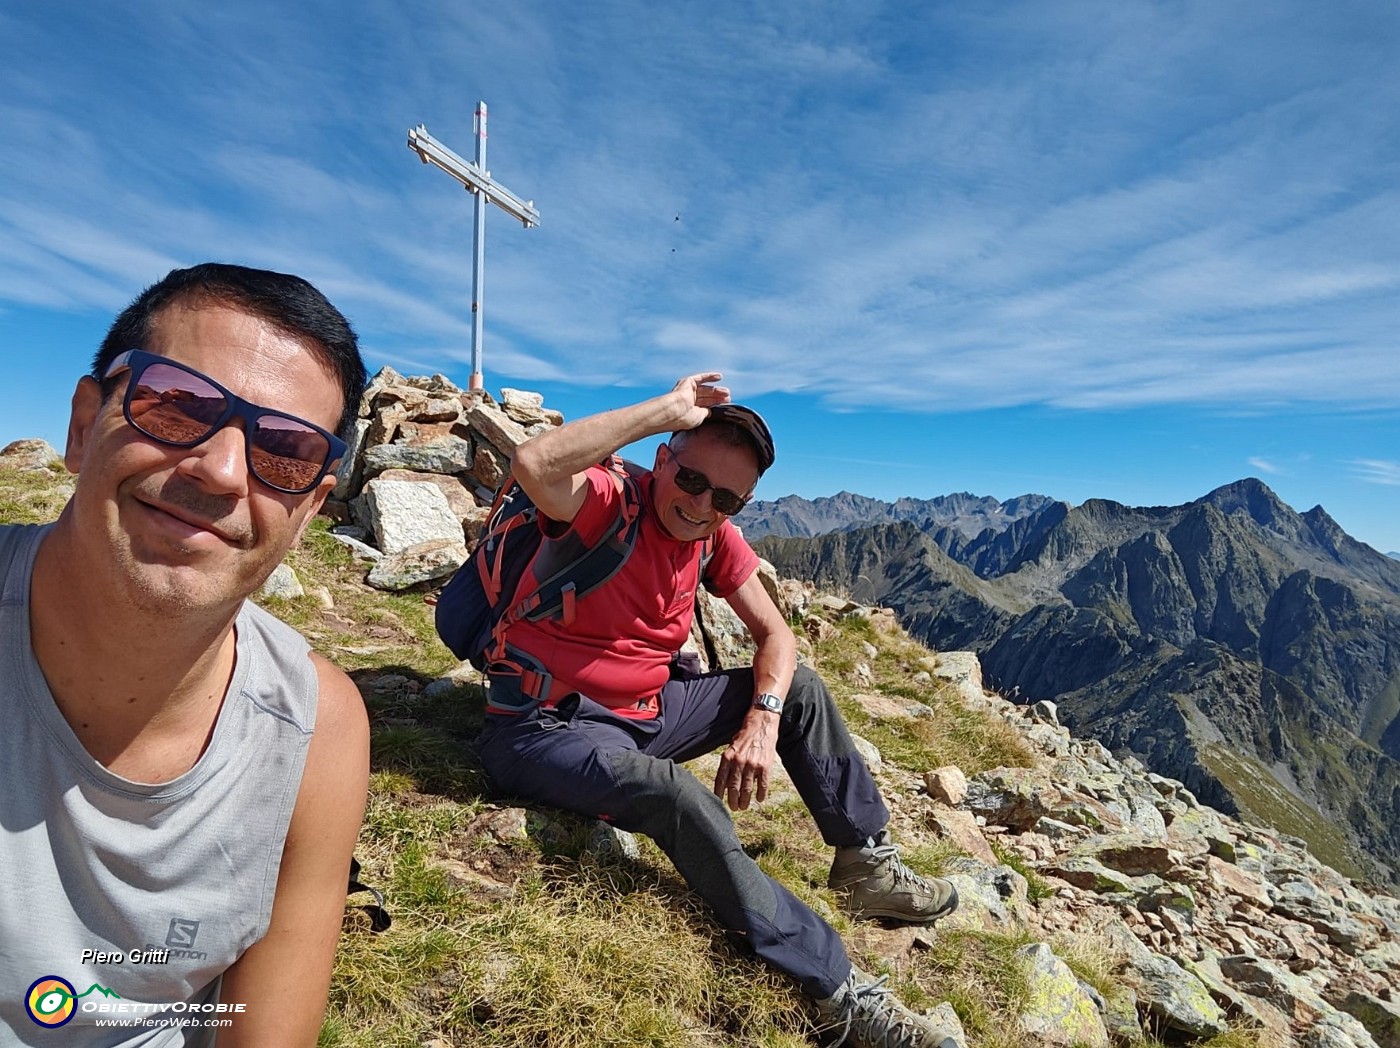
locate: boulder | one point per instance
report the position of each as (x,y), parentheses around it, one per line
(727,634)
(349,473)
(1134,855)
(1058,1010)
(417,564)
(947,784)
(282,584)
(961,828)
(495,425)
(989,897)
(404,513)
(1172,996)
(445,454)
(1381,1018)
(489,467)
(523,406)
(1012,797)
(349,536)
(457,491)
(29,455)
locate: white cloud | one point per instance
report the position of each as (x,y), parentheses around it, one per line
(1100,207)
(1264,465)
(1376,471)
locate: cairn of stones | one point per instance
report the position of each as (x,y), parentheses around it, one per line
(423,466)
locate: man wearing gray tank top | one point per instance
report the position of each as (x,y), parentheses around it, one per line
(181,779)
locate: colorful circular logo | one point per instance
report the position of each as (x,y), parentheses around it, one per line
(50,1001)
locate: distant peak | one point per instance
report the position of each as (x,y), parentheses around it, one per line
(1250,495)
(1250,486)
(1319,516)
(1101,508)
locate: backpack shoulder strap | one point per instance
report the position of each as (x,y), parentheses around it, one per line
(707,552)
(556,596)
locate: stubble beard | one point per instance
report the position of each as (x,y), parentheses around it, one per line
(175,578)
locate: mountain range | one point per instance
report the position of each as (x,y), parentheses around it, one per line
(969,514)
(1247,649)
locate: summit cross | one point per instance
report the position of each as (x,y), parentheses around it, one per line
(477,181)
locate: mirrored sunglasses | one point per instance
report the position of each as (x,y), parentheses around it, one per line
(176,405)
(693,482)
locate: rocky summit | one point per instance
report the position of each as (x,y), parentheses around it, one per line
(1198,926)
(1103,902)
(1247,649)
(422,468)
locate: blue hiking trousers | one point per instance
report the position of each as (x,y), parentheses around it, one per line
(583,757)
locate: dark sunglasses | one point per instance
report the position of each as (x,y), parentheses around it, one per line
(693,482)
(176,405)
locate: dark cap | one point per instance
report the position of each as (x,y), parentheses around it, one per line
(751,422)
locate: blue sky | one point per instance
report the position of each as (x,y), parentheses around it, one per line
(1120,250)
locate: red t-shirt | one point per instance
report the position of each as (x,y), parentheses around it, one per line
(618,649)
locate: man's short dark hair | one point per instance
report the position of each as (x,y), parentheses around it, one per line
(287,302)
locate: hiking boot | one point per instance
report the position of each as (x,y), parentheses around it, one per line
(878,884)
(866,1014)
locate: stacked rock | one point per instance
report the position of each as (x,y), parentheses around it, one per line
(424,463)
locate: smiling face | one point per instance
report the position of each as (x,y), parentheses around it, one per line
(190,528)
(690,518)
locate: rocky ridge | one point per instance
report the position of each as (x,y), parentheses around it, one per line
(1212,921)
(1247,649)
(964,515)
(1215,920)
(428,451)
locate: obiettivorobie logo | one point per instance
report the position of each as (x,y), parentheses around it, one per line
(52,1000)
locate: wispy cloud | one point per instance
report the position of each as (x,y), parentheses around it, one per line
(1376,471)
(1264,465)
(983,207)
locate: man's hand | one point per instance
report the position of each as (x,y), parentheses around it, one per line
(552,466)
(744,768)
(695,395)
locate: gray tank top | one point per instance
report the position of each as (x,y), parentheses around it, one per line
(171,882)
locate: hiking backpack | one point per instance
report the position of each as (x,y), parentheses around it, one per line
(519,573)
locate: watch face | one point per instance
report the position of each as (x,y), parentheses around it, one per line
(769,702)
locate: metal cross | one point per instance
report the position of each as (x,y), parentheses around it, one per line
(478,182)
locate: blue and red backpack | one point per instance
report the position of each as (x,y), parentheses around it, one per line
(518,572)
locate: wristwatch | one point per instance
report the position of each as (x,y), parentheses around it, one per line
(768,701)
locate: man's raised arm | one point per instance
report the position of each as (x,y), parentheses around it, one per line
(551,466)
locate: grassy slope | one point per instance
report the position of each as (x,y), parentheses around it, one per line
(1264,800)
(514,932)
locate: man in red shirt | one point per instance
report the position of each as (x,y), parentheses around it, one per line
(610,736)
